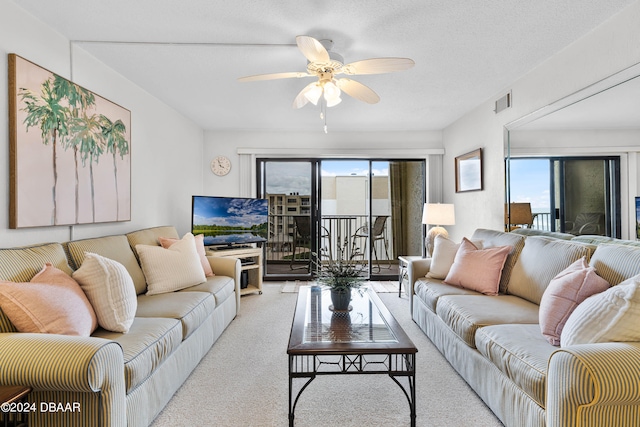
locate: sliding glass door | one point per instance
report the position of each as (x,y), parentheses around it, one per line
(576,195)
(365,210)
(291,188)
(587,195)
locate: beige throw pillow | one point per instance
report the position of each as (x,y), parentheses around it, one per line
(110,290)
(166,243)
(51,303)
(444,252)
(171,269)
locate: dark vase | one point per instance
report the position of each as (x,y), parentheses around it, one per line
(340,299)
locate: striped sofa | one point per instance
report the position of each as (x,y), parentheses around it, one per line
(496,345)
(114,379)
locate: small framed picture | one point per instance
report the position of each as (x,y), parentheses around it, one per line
(469,171)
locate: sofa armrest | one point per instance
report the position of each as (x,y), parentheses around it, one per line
(60,363)
(415,270)
(594,385)
(228,266)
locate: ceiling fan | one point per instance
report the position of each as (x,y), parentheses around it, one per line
(325,65)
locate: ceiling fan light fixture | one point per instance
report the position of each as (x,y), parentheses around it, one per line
(313,93)
(332,94)
(324,64)
(332,102)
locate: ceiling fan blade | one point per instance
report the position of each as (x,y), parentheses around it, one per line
(312,49)
(302,100)
(378,66)
(358,91)
(274,76)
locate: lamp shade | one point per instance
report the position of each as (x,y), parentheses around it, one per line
(438,214)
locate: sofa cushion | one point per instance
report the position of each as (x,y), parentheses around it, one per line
(191,308)
(21,264)
(593,239)
(51,303)
(478,269)
(221,287)
(492,239)
(521,353)
(148,344)
(464,314)
(616,263)
(113,247)
(150,236)
(610,316)
(429,290)
(172,269)
(536,232)
(110,290)
(569,288)
(541,260)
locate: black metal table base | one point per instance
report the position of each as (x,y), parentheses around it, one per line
(397,366)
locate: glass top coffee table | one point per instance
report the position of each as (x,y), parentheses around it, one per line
(365,339)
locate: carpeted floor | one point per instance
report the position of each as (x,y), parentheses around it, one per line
(243,382)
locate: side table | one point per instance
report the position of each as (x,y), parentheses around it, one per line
(14,409)
(403,264)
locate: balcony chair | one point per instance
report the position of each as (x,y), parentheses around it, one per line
(585,223)
(377,233)
(520,216)
(302,237)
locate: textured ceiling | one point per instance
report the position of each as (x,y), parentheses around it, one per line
(465,52)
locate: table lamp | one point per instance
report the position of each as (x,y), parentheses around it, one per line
(437,214)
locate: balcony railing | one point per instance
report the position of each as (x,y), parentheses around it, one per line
(542,221)
(340,235)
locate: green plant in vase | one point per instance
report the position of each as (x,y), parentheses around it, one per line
(340,275)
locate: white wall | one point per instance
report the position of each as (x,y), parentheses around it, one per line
(304,144)
(165,146)
(550,142)
(610,48)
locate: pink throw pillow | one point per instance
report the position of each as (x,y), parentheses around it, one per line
(478,269)
(166,242)
(51,303)
(565,292)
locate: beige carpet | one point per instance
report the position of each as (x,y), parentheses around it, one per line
(378,286)
(243,380)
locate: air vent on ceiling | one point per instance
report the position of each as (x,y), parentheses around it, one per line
(503,103)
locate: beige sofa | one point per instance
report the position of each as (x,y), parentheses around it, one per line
(495,342)
(115,379)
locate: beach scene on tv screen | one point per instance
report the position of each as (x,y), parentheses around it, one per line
(228,221)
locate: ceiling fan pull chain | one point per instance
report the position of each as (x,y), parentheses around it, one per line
(323,113)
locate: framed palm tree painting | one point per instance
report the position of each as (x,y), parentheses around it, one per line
(69,151)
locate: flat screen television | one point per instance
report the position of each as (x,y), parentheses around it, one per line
(230,221)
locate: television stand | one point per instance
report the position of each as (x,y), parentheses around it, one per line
(229,247)
(251,265)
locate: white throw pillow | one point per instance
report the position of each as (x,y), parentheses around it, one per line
(610,316)
(171,269)
(110,290)
(444,252)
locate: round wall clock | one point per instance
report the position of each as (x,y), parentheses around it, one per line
(221,165)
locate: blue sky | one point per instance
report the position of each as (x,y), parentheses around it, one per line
(292,177)
(530,182)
